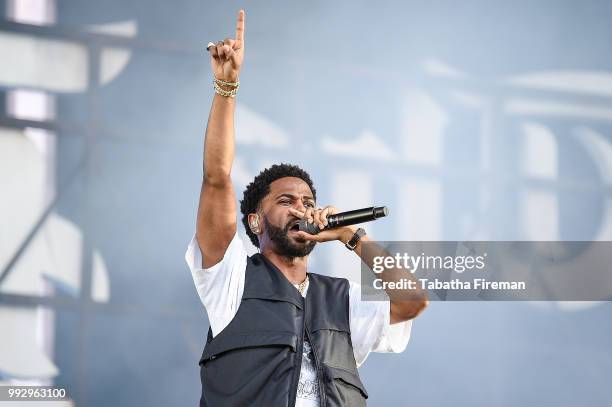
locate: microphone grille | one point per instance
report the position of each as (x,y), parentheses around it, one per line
(380,212)
(310,228)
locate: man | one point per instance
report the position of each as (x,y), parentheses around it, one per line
(279,336)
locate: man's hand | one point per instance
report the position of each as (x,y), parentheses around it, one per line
(318,216)
(226,56)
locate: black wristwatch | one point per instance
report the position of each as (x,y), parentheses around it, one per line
(351,244)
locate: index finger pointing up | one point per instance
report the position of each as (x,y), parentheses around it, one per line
(240,29)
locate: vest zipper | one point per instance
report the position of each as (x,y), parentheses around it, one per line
(318,366)
(299,353)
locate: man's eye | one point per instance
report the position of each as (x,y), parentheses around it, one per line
(309,205)
(285,202)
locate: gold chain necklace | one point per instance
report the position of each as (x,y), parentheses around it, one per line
(302,286)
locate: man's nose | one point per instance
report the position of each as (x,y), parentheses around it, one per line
(299,205)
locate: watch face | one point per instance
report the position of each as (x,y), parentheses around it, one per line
(353,242)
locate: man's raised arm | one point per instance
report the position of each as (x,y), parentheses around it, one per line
(216,222)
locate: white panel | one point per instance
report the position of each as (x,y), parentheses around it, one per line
(36,12)
(100,285)
(539,156)
(241,176)
(23,179)
(527,107)
(442,69)
(585,82)
(30,105)
(366,145)
(54,253)
(43,63)
(540,215)
(352,189)
(599,148)
(605,227)
(467,99)
(127,28)
(20,355)
(113,61)
(422,124)
(420,217)
(254,129)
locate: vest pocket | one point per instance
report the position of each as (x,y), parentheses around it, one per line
(229,343)
(348,385)
(248,369)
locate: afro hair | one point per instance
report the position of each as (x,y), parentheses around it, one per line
(260,187)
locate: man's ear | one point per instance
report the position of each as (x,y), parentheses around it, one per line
(254,223)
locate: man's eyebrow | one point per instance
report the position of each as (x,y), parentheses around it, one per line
(289,195)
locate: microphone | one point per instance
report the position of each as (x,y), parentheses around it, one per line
(346,219)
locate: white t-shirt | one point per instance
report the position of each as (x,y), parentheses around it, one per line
(220,288)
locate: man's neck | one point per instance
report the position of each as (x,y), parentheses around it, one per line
(293,268)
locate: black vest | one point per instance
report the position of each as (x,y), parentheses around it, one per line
(256,359)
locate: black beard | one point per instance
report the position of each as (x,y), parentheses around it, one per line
(284,246)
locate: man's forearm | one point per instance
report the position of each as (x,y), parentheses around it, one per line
(406,303)
(219,143)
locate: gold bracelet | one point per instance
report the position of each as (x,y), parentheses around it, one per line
(232,84)
(227,93)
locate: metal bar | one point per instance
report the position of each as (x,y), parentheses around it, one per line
(41,220)
(74,304)
(57,126)
(85,37)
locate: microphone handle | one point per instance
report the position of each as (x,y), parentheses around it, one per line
(346,219)
(353,217)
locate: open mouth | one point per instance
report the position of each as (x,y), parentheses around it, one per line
(295,226)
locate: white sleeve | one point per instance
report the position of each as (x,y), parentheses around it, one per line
(220,287)
(371,330)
